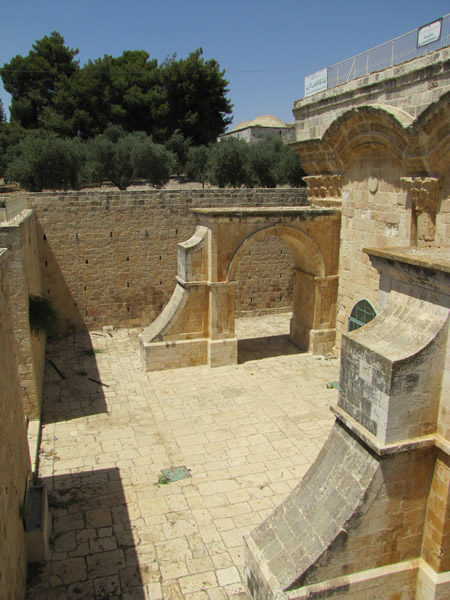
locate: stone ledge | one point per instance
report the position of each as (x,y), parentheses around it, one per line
(388,449)
(356,583)
(429,258)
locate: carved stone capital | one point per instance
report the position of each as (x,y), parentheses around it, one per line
(424,193)
(325,189)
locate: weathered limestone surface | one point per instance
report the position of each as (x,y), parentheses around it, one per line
(409,87)
(19,236)
(14,458)
(197,325)
(110,258)
(370,519)
(389,171)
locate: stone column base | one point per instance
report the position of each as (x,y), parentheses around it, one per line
(321,341)
(222,352)
(157,356)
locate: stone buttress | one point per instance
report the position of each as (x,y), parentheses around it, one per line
(370,519)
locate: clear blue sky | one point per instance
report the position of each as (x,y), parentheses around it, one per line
(266,47)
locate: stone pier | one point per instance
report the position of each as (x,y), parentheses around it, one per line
(370,519)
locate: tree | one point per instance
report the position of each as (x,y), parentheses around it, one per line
(197,164)
(119,91)
(179,146)
(196,98)
(228,163)
(263,164)
(45,161)
(109,158)
(34,80)
(151,161)
(10,136)
(50,91)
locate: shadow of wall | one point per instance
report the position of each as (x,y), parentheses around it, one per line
(93,552)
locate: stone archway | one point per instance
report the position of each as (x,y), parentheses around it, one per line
(197,325)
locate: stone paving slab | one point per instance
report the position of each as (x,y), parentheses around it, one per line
(247,433)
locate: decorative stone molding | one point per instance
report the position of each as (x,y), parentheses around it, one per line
(424,195)
(324,189)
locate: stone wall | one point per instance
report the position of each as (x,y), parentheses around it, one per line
(19,236)
(376,217)
(410,87)
(379,147)
(110,258)
(14,459)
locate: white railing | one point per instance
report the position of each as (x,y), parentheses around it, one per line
(396,51)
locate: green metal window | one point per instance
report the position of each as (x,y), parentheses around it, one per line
(362,313)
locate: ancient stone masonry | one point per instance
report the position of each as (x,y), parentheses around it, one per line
(395,187)
(325,189)
(425,198)
(14,458)
(371,517)
(109,258)
(19,236)
(197,325)
(407,88)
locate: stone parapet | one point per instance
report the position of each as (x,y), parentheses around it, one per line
(409,87)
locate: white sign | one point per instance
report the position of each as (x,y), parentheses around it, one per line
(317,82)
(429,33)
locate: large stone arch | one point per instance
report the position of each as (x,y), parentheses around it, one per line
(305,251)
(197,325)
(388,172)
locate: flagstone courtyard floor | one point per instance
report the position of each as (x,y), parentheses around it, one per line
(246,434)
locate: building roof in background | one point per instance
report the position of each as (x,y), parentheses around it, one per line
(261,121)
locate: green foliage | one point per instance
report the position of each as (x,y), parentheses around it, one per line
(289,169)
(263,161)
(179,146)
(195,92)
(197,164)
(109,158)
(152,162)
(121,157)
(51,92)
(228,163)
(42,315)
(34,80)
(45,161)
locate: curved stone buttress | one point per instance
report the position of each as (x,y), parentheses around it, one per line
(370,520)
(183,335)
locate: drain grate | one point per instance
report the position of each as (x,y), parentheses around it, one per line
(176,473)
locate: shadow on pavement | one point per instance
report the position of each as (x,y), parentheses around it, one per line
(92,550)
(72,384)
(265,347)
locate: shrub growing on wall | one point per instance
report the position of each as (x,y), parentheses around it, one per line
(42,315)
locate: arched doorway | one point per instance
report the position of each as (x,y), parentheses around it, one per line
(198,324)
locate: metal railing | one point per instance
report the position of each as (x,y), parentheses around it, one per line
(389,54)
